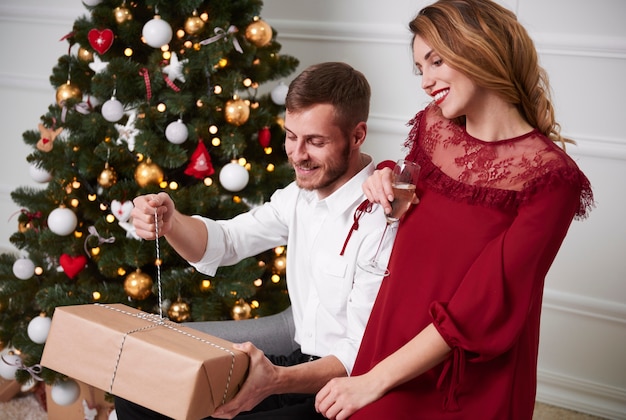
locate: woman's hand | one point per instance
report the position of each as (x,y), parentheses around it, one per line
(143,214)
(378,188)
(342,397)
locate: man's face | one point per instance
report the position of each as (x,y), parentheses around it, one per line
(317,149)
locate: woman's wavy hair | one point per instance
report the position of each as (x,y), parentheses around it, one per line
(484,41)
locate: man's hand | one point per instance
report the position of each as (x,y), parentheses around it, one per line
(143,214)
(262,375)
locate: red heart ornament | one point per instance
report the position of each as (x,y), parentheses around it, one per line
(100,41)
(72,265)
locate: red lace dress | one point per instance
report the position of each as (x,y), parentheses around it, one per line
(471,258)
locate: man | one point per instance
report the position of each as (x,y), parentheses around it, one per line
(327,107)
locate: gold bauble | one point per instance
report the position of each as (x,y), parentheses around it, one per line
(85,55)
(148,173)
(236,112)
(259,33)
(241,310)
(179,311)
(23,227)
(68,91)
(138,285)
(122,14)
(108,176)
(194,24)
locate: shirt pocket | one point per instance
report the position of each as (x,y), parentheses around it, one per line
(334,286)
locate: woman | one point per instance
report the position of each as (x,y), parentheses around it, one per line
(455,328)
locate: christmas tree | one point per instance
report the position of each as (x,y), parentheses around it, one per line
(152,96)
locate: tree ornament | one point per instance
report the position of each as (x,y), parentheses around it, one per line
(98,66)
(194,24)
(39,174)
(241,310)
(9,364)
(157,32)
(48,136)
(265,137)
(234,177)
(38,329)
(138,285)
(112,110)
(176,132)
(148,173)
(279,93)
(72,265)
(259,32)
(23,268)
(108,176)
(92,3)
(128,132)
(121,210)
(174,69)
(200,165)
(100,40)
(237,111)
(68,91)
(122,14)
(65,392)
(179,311)
(84,55)
(62,221)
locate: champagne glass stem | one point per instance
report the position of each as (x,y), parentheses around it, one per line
(380,244)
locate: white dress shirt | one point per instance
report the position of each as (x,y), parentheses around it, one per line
(331,297)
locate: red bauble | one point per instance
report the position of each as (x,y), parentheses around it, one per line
(200,165)
(265,137)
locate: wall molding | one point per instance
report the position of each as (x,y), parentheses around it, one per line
(574,393)
(599,309)
(580,395)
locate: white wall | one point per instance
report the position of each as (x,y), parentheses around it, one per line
(583,46)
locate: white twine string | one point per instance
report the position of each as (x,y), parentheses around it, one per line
(158,261)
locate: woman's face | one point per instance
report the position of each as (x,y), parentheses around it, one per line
(455,93)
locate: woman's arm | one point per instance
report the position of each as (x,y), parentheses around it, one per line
(341,397)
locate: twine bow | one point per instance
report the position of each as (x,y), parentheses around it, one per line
(94,233)
(221,33)
(33,370)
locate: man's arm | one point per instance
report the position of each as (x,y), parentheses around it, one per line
(265,379)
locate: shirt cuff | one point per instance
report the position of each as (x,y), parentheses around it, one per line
(210,261)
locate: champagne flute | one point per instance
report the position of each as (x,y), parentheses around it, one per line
(404,178)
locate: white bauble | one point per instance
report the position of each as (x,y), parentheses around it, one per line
(38,329)
(157,32)
(112,110)
(279,93)
(92,3)
(234,177)
(9,363)
(65,392)
(62,221)
(176,132)
(39,174)
(23,268)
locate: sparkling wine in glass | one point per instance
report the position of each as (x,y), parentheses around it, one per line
(404,178)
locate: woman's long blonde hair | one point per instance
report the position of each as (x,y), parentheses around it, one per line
(484,41)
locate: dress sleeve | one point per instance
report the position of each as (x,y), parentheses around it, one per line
(491,306)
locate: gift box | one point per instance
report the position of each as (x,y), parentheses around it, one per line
(171,369)
(92,404)
(9,388)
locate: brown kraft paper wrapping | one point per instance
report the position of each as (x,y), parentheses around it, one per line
(174,370)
